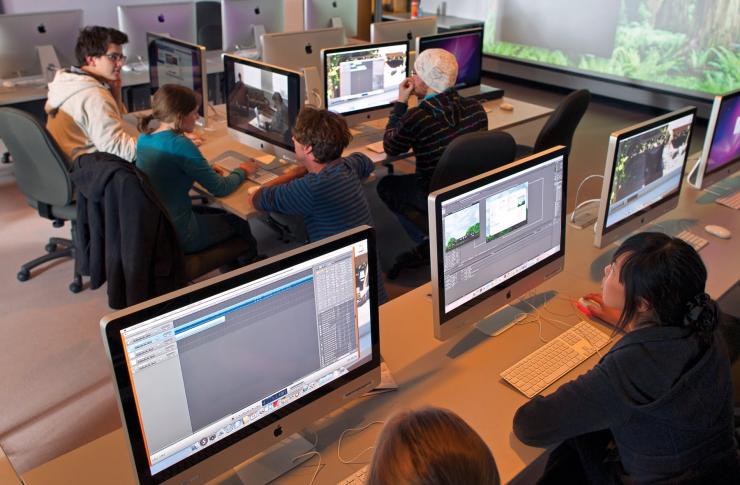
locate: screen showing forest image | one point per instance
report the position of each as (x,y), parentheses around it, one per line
(462,226)
(681,45)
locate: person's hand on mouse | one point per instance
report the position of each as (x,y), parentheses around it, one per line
(249,166)
(405,89)
(600,310)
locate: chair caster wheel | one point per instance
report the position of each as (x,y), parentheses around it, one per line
(50,248)
(75,287)
(23,275)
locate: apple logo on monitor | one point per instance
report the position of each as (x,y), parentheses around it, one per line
(409,36)
(256,10)
(334,4)
(160,18)
(41,29)
(308,48)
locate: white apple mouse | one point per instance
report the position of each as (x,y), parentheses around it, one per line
(506,107)
(8,84)
(718,231)
(587,305)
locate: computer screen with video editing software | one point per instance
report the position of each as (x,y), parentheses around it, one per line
(364,77)
(261,100)
(466,46)
(172,61)
(498,230)
(210,369)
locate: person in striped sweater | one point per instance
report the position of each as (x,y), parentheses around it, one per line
(325,188)
(441,116)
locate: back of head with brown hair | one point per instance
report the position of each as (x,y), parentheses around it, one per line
(325,132)
(170,104)
(431,446)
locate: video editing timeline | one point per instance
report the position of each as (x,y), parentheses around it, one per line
(648,168)
(364,78)
(499,230)
(204,371)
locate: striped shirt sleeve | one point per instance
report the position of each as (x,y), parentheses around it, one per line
(398,136)
(360,164)
(295,197)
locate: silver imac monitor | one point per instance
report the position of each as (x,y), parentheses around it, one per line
(361,80)
(720,157)
(319,14)
(173,61)
(211,375)
(494,237)
(239,17)
(298,50)
(642,177)
(407,30)
(20,34)
(467,47)
(262,103)
(174,19)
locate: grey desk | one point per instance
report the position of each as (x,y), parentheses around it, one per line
(460,374)
(445,23)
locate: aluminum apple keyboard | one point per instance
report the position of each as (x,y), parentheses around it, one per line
(260,177)
(357,478)
(731,201)
(553,360)
(692,240)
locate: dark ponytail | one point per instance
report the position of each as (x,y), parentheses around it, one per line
(702,316)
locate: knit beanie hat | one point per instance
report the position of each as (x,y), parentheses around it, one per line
(437,68)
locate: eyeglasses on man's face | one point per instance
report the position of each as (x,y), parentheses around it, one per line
(115,57)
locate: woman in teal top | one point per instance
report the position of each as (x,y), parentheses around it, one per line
(173,163)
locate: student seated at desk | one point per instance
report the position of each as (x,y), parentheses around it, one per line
(326,188)
(84,105)
(441,116)
(658,406)
(173,163)
(431,446)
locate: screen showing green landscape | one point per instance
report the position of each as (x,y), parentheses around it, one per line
(678,45)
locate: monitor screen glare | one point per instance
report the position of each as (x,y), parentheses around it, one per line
(648,168)
(725,147)
(203,372)
(175,62)
(364,78)
(467,49)
(495,232)
(262,101)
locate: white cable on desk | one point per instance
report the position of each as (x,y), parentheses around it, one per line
(348,430)
(578,190)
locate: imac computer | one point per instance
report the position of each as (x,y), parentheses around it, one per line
(244,21)
(359,81)
(642,177)
(407,30)
(298,50)
(319,14)
(467,47)
(21,34)
(173,61)
(174,19)
(209,376)
(262,103)
(720,157)
(494,237)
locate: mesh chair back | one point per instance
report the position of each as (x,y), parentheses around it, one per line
(473,154)
(562,124)
(41,168)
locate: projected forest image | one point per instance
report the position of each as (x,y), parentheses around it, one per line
(690,45)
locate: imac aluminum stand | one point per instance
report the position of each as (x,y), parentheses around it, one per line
(273,462)
(509,315)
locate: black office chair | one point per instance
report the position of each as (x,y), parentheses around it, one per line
(42,173)
(560,126)
(467,156)
(208,24)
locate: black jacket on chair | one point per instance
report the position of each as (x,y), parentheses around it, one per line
(123,233)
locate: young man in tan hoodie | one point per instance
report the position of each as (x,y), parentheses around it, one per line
(84,104)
